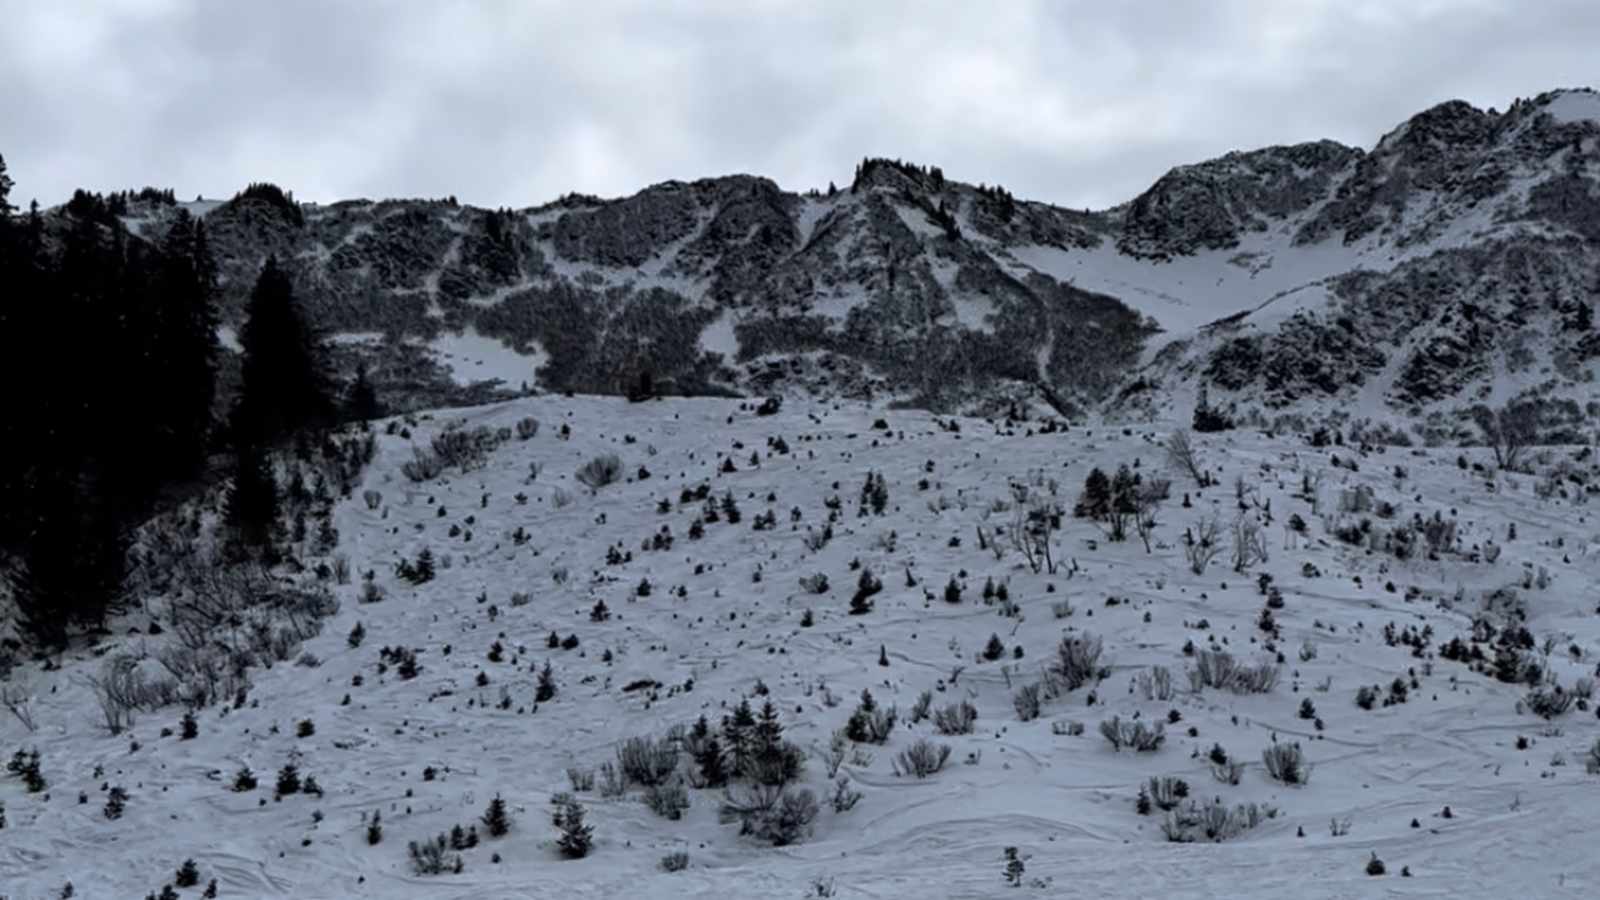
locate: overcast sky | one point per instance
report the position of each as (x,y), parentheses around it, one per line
(515,103)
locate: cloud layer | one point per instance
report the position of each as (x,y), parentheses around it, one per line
(514,103)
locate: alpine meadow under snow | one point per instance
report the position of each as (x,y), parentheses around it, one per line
(906,539)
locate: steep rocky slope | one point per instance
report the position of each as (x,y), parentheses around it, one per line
(1455,262)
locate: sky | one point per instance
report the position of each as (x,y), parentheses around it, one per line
(1082,104)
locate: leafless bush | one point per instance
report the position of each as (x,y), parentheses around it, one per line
(1218,669)
(1229,772)
(646,761)
(770,813)
(612,782)
(466,449)
(1286,763)
(19,702)
(121,690)
(1156,683)
(1509,430)
(1180,455)
(1077,663)
(341,569)
(600,471)
(1591,762)
(921,709)
(667,800)
(1033,518)
(844,798)
(373,499)
(423,466)
(582,780)
(1026,701)
(957,718)
(922,758)
(1202,545)
(676,861)
(1249,543)
(527,428)
(1167,792)
(1214,821)
(561,499)
(1136,735)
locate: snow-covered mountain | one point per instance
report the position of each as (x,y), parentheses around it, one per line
(1455,262)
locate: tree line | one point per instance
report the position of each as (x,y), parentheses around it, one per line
(108,344)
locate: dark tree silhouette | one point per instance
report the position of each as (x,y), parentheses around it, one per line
(284,388)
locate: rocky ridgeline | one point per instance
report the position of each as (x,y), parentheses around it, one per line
(908,286)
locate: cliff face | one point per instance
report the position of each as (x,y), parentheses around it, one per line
(1445,266)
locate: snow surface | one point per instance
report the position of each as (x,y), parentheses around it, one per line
(472,357)
(1575,106)
(1521,823)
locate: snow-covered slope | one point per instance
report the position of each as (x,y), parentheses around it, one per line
(1457,785)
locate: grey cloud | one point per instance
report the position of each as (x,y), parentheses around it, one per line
(514,103)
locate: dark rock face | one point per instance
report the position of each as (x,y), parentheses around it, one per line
(1211,205)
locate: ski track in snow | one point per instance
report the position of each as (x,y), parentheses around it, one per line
(1521,824)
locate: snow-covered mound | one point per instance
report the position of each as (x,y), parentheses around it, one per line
(1447,778)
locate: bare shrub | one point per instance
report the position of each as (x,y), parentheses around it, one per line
(676,861)
(1026,701)
(1202,545)
(1135,735)
(844,798)
(1249,543)
(1214,821)
(423,466)
(667,800)
(372,498)
(121,689)
(1286,763)
(600,471)
(1167,792)
(1218,669)
(19,702)
(1077,663)
(647,762)
(957,718)
(561,499)
(922,758)
(1509,430)
(1181,456)
(1591,763)
(466,449)
(582,780)
(612,782)
(770,813)
(1156,683)
(527,428)
(1227,772)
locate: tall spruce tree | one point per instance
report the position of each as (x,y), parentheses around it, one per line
(284,388)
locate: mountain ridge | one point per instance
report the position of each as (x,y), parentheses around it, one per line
(931,292)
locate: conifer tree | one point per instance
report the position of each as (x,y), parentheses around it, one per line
(283,387)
